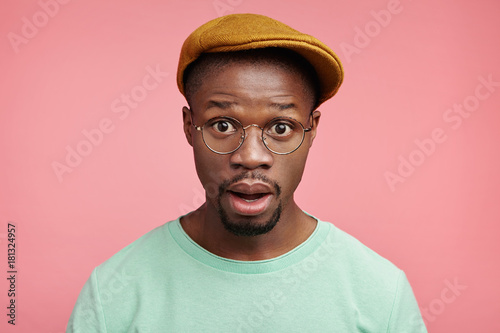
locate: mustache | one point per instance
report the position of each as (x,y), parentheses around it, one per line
(249,175)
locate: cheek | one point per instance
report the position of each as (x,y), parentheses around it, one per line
(210,169)
(205,165)
(290,173)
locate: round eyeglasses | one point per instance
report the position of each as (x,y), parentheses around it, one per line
(281,135)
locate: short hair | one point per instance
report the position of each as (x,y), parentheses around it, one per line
(210,63)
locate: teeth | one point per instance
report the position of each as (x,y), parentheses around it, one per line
(250,200)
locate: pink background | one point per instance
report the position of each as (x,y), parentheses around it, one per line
(439,221)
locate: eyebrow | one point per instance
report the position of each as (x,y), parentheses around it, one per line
(225,105)
(283,106)
(219,104)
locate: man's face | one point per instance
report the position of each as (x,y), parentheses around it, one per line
(250,188)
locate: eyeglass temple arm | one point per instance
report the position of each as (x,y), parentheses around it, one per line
(198,128)
(310,128)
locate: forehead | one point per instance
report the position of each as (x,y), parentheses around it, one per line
(245,86)
(252,85)
(208,66)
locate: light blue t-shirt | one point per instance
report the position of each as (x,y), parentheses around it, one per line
(165,282)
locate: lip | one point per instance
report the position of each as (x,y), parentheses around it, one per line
(250,188)
(250,207)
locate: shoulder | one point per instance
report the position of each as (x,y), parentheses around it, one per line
(347,247)
(359,266)
(375,289)
(139,257)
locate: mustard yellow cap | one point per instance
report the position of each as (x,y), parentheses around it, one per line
(238,32)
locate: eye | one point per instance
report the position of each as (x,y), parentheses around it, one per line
(223,126)
(281,128)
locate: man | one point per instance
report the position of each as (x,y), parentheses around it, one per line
(249,259)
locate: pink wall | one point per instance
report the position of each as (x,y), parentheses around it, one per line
(410,66)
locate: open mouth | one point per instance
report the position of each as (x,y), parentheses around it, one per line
(249,204)
(249,197)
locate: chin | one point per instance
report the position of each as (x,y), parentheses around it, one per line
(250,227)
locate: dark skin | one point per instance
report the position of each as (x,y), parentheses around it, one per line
(253,94)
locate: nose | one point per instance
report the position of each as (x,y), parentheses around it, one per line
(252,154)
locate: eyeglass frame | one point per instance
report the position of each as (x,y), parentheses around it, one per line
(304,131)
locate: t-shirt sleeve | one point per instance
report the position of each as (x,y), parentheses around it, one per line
(87,315)
(405,316)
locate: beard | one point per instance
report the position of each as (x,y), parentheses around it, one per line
(249,227)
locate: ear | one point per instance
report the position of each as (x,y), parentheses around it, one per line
(188,125)
(315,116)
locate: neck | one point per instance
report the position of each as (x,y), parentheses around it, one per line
(206,229)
